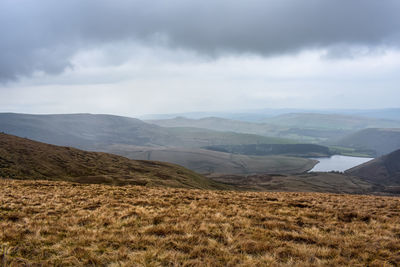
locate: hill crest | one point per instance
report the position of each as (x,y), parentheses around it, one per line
(22,158)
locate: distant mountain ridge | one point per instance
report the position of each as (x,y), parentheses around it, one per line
(257,115)
(330,121)
(95,131)
(82,130)
(302,127)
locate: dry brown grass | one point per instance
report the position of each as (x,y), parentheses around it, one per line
(60,223)
(22,158)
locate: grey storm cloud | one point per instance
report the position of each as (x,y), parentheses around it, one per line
(43,35)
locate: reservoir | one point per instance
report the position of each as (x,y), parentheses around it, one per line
(338,163)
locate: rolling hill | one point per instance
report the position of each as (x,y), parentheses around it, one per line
(330,121)
(389,113)
(382,141)
(94,132)
(199,137)
(217,124)
(122,135)
(298,133)
(302,127)
(26,159)
(83,130)
(384,170)
(207,161)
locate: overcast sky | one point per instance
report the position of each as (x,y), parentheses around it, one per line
(137,57)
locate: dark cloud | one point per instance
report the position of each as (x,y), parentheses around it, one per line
(42,35)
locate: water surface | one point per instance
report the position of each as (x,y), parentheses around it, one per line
(338,163)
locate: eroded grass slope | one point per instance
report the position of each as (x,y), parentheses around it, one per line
(61,223)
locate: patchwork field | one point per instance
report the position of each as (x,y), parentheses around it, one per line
(61,223)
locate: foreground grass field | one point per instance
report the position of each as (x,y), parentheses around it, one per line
(61,223)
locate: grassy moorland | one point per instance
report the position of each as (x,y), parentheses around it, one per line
(26,159)
(323,182)
(62,223)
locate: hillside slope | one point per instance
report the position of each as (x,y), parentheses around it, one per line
(382,141)
(199,137)
(325,182)
(83,130)
(384,170)
(25,159)
(207,161)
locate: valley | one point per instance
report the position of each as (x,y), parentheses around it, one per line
(149,195)
(228,159)
(137,140)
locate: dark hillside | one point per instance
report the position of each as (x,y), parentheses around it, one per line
(384,170)
(26,159)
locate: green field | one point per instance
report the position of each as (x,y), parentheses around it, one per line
(352,152)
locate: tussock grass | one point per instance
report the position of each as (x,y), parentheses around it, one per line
(61,223)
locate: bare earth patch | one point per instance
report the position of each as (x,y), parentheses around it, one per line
(61,223)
